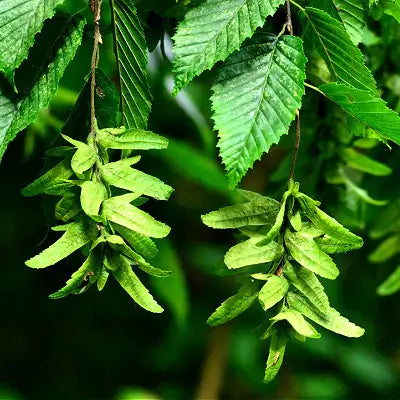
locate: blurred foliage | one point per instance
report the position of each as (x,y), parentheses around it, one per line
(105,347)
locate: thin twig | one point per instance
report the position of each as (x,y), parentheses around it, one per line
(289,24)
(296,145)
(96,8)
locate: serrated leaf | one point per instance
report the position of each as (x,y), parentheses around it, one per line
(84,157)
(332,321)
(308,284)
(275,358)
(17,112)
(276,227)
(328,225)
(119,211)
(131,139)
(131,283)
(76,235)
(244,214)
(273,291)
(297,321)
(264,82)
(92,195)
(51,179)
(131,53)
(344,60)
(74,284)
(121,175)
(213,30)
(363,163)
(235,305)
(391,284)
(386,250)
(368,109)
(305,251)
(248,253)
(67,208)
(140,243)
(20,21)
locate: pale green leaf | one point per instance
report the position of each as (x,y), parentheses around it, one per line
(244,214)
(73,285)
(273,291)
(248,253)
(140,243)
(264,83)
(327,224)
(297,321)
(67,208)
(366,108)
(76,235)
(363,163)
(84,157)
(308,284)
(53,178)
(332,320)
(386,250)
(20,21)
(391,284)
(131,139)
(121,175)
(236,304)
(344,60)
(213,30)
(307,253)
(131,53)
(17,113)
(275,358)
(119,211)
(92,195)
(131,283)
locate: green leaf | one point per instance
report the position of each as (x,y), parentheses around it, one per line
(76,235)
(131,283)
(391,284)
(273,291)
(131,53)
(248,253)
(236,304)
(67,208)
(20,21)
(244,214)
(102,278)
(386,250)
(52,179)
(332,321)
(212,31)
(297,321)
(131,139)
(16,113)
(327,224)
(307,253)
(119,211)
(344,60)
(73,285)
(264,83)
(121,175)
(140,243)
(276,227)
(366,108)
(308,284)
(92,195)
(363,163)
(276,353)
(330,245)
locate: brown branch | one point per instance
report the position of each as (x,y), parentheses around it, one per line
(296,145)
(289,24)
(96,8)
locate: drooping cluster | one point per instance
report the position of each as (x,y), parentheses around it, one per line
(287,245)
(99,211)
